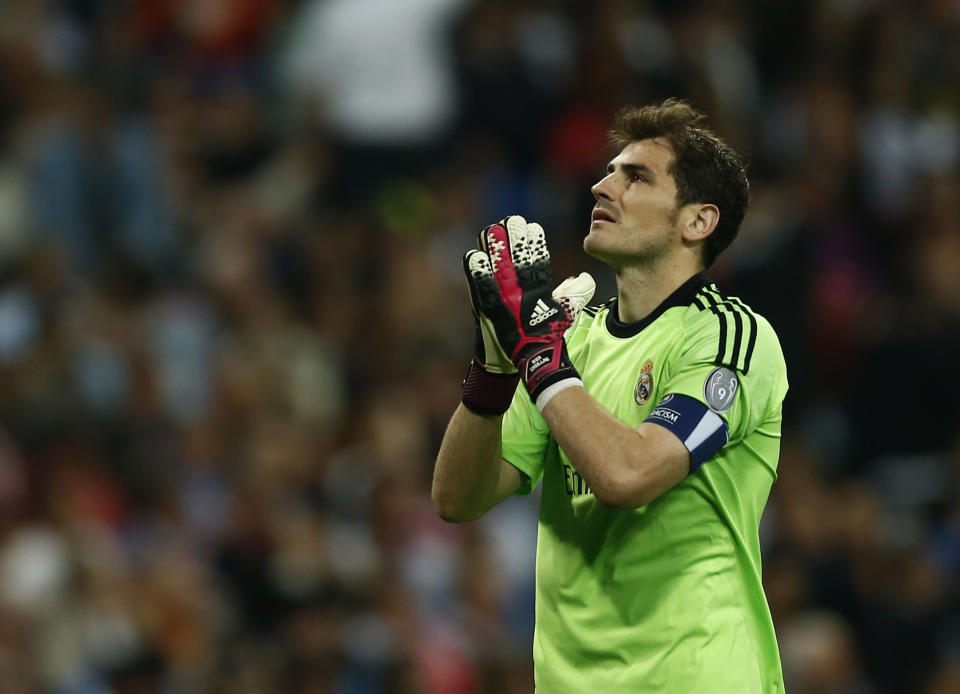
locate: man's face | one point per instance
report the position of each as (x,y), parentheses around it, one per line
(635,219)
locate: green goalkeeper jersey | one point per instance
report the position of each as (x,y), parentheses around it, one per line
(666,597)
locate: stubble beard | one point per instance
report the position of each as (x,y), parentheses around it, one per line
(646,253)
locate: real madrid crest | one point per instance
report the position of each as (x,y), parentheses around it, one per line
(645,383)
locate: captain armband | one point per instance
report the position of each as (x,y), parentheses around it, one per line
(701,430)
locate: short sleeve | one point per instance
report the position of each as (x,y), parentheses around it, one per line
(525,436)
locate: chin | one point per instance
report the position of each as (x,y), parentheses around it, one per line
(594,247)
(588,243)
(594,240)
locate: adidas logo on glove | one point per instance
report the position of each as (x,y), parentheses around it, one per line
(541,312)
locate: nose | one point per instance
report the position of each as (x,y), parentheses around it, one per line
(601,189)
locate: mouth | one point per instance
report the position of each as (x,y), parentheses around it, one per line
(601,215)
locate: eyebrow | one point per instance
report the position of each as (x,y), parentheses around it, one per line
(631,168)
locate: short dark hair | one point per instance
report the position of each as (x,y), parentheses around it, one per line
(705,168)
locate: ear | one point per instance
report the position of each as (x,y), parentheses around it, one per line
(701,222)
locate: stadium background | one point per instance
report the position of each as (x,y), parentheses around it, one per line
(233,325)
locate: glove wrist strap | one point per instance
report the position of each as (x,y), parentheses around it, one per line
(545,367)
(487,393)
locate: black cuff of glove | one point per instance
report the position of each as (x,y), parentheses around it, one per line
(488,393)
(546,365)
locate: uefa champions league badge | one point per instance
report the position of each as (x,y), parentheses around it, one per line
(720,388)
(644,384)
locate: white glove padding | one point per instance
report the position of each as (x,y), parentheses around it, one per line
(575,292)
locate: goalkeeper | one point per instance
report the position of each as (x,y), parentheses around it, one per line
(653,422)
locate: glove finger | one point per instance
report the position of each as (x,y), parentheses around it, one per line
(472,265)
(482,239)
(504,271)
(484,292)
(541,270)
(575,292)
(517,233)
(537,241)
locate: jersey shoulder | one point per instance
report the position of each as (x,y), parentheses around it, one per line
(726,331)
(588,317)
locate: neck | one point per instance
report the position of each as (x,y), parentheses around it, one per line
(641,289)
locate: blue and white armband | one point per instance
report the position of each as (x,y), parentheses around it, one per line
(701,430)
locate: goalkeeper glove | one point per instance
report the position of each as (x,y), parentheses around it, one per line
(492,379)
(510,280)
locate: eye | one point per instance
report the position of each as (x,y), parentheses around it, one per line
(637,176)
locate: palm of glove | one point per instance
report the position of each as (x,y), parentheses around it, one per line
(510,281)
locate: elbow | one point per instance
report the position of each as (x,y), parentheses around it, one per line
(447,511)
(450,511)
(452,515)
(623,493)
(620,501)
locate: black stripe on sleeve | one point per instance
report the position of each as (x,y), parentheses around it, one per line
(751,343)
(740,358)
(722,348)
(737,337)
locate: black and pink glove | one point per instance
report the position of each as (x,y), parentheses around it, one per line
(510,280)
(492,379)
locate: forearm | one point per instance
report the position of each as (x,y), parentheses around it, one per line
(623,468)
(466,478)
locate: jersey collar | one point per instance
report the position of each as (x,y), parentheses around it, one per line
(681,297)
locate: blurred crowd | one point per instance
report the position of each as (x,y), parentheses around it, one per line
(233,325)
